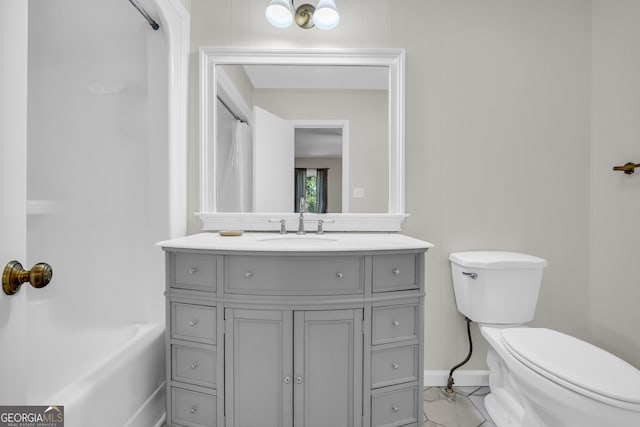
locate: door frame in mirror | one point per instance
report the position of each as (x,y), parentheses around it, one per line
(394,59)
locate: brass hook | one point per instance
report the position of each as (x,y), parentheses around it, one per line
(628,168)
(14,276)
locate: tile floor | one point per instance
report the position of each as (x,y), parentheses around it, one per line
(464,409)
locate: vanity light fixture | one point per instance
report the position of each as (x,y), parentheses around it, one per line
(325,16)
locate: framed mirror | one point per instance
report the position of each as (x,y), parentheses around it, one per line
(281,125)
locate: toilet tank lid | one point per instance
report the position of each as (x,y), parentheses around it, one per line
(575,363)
(496,260)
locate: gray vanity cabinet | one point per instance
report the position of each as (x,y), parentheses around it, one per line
(294,339)
(287,368)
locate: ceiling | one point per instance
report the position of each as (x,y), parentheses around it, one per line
(318,142)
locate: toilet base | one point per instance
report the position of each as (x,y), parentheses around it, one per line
(499,415)
(522,398)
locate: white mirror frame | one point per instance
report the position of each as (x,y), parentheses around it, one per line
(394,59)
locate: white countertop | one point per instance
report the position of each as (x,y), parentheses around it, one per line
(274,242)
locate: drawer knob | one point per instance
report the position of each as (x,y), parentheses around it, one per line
(298,380)
(194,409)
(248,274)
(396,323)
(395,365)
(194,322)
(339,275)
(193,270)
(194,365)
(287,380)
(395,408)
(395,271)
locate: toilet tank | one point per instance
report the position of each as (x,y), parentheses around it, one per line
(496,287)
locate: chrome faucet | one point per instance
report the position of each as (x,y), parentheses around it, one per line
(303,209)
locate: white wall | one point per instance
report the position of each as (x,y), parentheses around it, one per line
(498,142)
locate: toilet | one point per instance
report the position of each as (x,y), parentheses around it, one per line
(538,377)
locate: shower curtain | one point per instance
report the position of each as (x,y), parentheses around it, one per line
(238,178)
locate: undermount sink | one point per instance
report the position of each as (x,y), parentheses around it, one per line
(297,238)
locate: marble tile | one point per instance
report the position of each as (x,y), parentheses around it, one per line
(482,391)
(478,402)
(452,411)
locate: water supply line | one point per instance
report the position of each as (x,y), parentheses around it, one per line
(144,13)
(449,389)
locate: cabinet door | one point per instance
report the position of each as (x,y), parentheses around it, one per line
(258,368)
(328,368)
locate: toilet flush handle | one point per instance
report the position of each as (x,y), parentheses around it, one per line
(474,276)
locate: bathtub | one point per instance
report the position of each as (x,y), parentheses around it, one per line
(104,376)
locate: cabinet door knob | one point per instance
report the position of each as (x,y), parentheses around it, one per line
(194,365)
(194,409)
(248,274)
(193,270)
(396,323)
(395,271)
(395,365)
(395,408)
(339,275)
(298,380)
(287,380)
(194,322)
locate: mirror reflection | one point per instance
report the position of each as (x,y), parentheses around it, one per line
(314,131)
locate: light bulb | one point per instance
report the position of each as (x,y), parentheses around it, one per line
(279,13)
(326,16)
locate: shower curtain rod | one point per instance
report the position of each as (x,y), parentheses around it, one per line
(144,13)
(235,116)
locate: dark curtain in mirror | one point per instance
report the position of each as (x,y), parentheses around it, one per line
(300,188)
(321,190)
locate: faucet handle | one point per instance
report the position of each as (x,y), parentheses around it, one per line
(283,225)
(321,223)
(303,204)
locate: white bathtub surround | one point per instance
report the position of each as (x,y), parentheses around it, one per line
(105,153)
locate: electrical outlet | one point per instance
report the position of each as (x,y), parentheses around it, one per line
(358,193)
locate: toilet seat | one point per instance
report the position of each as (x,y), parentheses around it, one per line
(575,364)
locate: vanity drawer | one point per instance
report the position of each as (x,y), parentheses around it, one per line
(193,365)
(392,407)
(394,272)
(192,409)
(394,323)
(295,275)
(394,365)
(194,271)
(193,322)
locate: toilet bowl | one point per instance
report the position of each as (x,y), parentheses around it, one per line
(538,377)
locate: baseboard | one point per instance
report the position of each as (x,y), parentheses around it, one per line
(462,378)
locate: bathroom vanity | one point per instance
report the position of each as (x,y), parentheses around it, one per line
(286,330)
